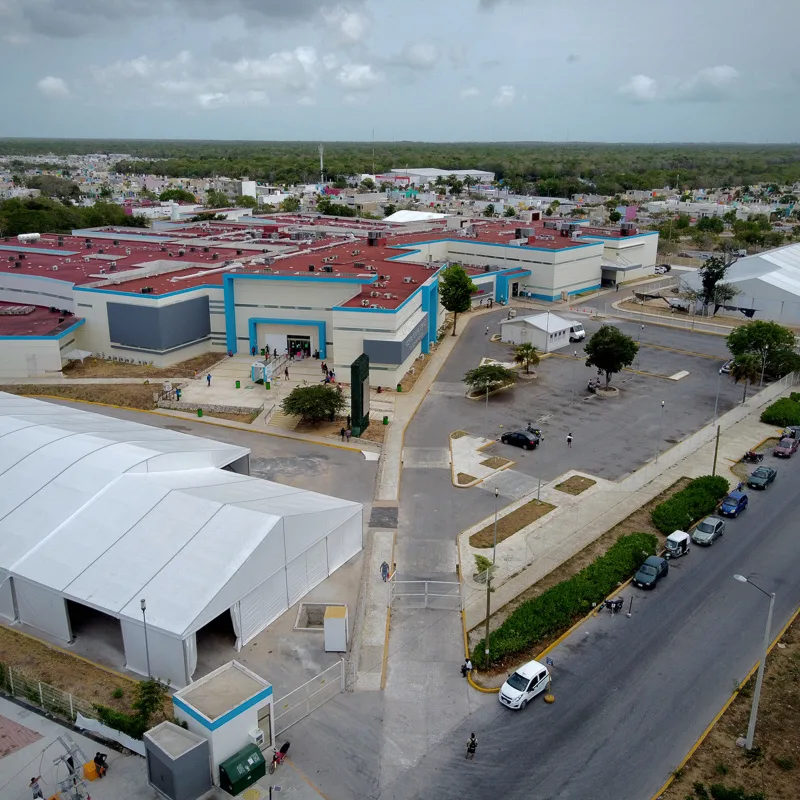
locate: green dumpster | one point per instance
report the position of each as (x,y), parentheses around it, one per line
(242,769)
(238,384)
(199,412)
(385,419)
(267,385)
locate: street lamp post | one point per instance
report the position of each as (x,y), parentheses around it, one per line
(660,421)
(751,727)
(764,365)
(486,411)
(494,548)
(639,351)
(143,605)
(574,368)
(716,401)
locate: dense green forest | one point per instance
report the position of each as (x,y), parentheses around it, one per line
(546,168)
(43,215)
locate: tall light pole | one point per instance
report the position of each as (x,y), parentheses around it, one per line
(751,727)
(494,548)
(764,364)
(639,342)
(716,401)
(660,421)
(574,368)
(143,605)
(486,411)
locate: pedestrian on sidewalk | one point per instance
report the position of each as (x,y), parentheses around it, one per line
(348,420)
(324,368)
(253,350)
(348,433)
(275,353)
(208,379)
(569,440)
(466,668)
(178,395)
(36,789)
(385,571)
(487,331)
(342,433)
(286,372)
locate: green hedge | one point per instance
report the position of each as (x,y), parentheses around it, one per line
(556,609)
(785,411)
(699,498)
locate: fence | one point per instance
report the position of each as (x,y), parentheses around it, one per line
(52,701)
(442,595)
(300,702)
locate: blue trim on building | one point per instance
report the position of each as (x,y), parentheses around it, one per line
(212,725)
(140,296)
(320,325)
(46,338)
(38,251)
(230,313)
(552,298)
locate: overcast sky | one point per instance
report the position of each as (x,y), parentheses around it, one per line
(429,70)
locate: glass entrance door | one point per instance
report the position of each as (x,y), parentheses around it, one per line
(299,346)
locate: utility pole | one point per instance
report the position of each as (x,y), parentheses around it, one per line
(488,611)
(716,451)
(321,164)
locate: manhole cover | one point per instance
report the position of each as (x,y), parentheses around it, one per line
(252,794)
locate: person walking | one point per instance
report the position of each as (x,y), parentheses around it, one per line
(286,373)
(569,440)
(324,368)
(348,420)
(342,433)
(487,331)
(253,350)
(348,433)
(36,789)
(385,571)
(208,379)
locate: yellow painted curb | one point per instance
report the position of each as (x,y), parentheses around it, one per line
(385,659)
(724,708)
(199,419)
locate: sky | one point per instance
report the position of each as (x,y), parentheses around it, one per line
(423,70)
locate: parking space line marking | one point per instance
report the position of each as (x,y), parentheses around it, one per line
(682,352)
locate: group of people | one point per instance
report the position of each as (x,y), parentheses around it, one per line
(100,765)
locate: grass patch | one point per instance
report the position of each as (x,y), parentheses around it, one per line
(511,523)
(575,485)
(495,462)
(463,478)
(457,434)
(100,368)
(128,395)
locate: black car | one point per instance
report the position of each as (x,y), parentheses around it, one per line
(653,568)
(761,477)
(523,439)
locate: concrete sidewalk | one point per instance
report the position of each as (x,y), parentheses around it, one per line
(536,551)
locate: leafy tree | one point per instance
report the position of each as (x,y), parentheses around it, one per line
(488,377)
(389,209)
(489,210)
(788,199)
(326,206)
(771,344)
(106,191)
(710,224)
(712,276)
(747,368)
(215,199)
(614,216)
(53,186)
(247,201)
(682,222)
(509,211)
(729,217)
(469,182)
(526,354)
(610,350)
(455,291)
(314,403)
(368,184)
(146,194)
(178,195)
(773,239)
(290,204)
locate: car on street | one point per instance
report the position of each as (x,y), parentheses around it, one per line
(786,448)
(791,432)
(733,504)
(523,439)
(761,477)
(708,531)
(524,684)
(726,367)
(652,570)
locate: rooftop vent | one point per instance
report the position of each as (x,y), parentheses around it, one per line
(310,267)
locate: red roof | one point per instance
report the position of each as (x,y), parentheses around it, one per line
(39,322)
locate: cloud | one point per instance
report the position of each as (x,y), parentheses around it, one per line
(470,91)
(572,58)
(356,99)
(295,70)
(491,5)
(640,89)
(358,77)
(53,87)
(712,84)
(306,100)
(352,25)
(506,95)
(420,55)
(458,55)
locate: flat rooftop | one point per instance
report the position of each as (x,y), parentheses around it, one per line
(222,690)
(23,320)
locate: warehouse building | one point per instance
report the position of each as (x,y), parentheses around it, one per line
(151,535)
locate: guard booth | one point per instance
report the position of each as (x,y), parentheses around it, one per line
(178,762)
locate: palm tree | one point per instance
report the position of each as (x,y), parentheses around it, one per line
(469,182)
(526,354)
(746,368)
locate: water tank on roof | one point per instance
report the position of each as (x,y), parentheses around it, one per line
(27,238)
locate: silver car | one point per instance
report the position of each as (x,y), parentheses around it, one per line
(708,531)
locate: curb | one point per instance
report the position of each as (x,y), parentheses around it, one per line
(454,474)
(385,659)
(724,708)
(664,324)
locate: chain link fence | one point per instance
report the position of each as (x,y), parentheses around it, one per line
(52,701)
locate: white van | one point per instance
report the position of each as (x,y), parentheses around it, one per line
(576,332)
(524,684)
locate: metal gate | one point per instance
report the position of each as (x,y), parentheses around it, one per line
(442,595)
(300,702)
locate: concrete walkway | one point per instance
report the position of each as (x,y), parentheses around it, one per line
(530,555)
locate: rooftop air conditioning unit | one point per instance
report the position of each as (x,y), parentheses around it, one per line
(181,252)
(112,266)
(100,250)
(375,305)
(54,268)
(365,303)
(385,277)
(310,267)
(215,256)
(327,269)
(163,249)
(205,249)
(407,279)
(388,295)
(257,737)
(102,271)
(374,294)
(116,241)
(86,259)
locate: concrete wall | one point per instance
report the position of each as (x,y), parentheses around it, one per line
(26,357)
(36,290)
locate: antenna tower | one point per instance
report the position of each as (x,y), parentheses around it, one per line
(321,164)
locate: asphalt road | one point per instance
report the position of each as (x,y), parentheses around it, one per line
(632,695)
(328,470)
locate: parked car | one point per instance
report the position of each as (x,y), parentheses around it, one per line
(791,432)
(708,531)
(523,439)
(761,477)
(652,570)
(524,684)
(733,504)
(786,448)
(726,367)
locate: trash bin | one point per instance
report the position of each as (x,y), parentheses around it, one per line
(385,419)
(199,412)
(238,384)
(262,351)
(399,388)
(267,385)
(242,769)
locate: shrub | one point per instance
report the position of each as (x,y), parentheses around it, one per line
(117,693)
(699,789)
(720,792)
(785,411)
(699,498)
(556,609)
(148,700)
(786,763)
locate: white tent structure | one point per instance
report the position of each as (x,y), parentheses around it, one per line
(105,512)
(405,216)
(546,332)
